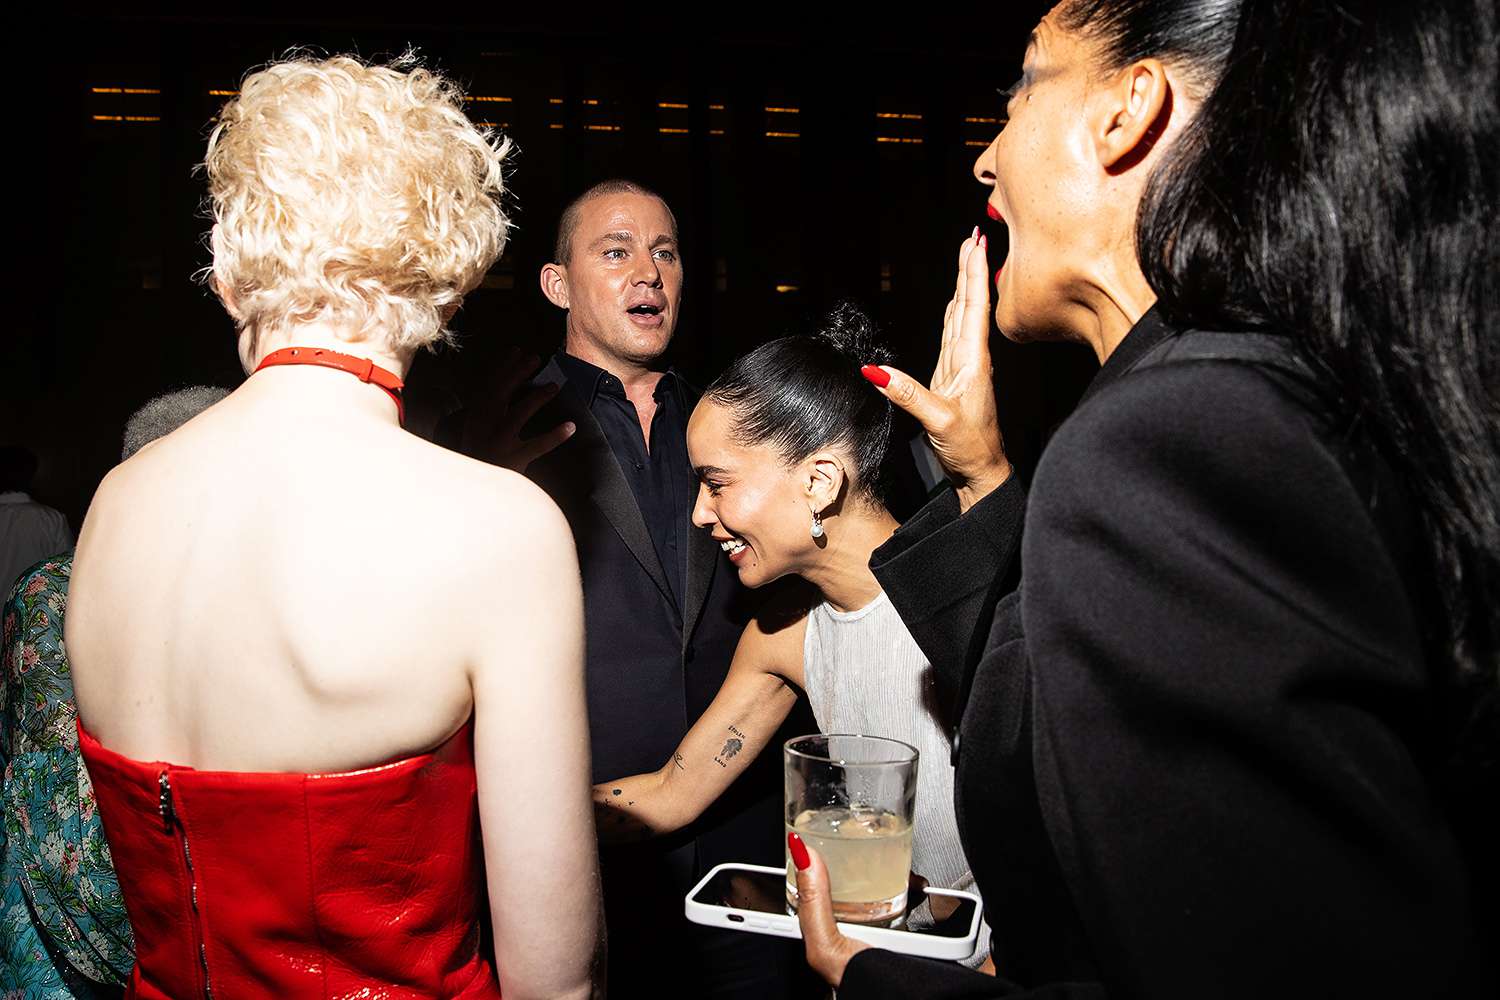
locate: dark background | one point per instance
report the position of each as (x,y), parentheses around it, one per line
(805,163)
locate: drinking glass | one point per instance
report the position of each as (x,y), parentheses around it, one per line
(851,798)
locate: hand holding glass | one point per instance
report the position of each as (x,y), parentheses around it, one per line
(851,799)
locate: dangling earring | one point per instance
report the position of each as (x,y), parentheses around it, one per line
(817,525)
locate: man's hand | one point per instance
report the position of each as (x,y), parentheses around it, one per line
(958,410)
(492,430)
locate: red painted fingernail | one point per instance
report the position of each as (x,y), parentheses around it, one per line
(984,242)
(993,212)
(799,851)
(877,375)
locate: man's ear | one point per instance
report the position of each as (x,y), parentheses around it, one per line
(823,480)
(1132,115)
(554,281)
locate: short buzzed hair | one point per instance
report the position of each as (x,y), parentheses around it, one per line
(164,414)
(567,223)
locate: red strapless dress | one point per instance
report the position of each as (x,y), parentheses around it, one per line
(362,884)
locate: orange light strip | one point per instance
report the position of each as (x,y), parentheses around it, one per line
(902,115)
(904,142)
(982,121)
(783,135)
(124,90)
(500,100)
(672,104)
(673,131)
(785,111)
(223,93)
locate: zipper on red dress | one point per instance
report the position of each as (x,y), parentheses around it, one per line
(174,825)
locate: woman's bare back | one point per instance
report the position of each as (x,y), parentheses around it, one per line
(288,585)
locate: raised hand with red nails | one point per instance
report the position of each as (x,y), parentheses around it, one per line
(957,410)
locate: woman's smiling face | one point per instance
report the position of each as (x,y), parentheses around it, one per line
(749,499)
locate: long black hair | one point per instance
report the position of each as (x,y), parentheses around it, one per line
(1339,186)
(803,393)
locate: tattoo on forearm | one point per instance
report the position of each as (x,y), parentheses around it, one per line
(615,824)
(677,760)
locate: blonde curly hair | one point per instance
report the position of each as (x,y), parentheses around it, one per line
(354,194)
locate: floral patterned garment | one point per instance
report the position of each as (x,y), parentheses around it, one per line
(63,929)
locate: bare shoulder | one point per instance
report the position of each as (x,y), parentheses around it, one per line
(772,642)
(114,497)
(496,512)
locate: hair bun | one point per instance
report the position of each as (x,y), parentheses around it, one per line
(803,392)
(850,331)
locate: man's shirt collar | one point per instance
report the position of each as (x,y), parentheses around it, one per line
(590,380)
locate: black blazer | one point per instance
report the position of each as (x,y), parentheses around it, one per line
(651,672)
(1197,743)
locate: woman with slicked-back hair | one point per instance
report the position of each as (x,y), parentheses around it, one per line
(788,445)
(326,757)
(1234,733)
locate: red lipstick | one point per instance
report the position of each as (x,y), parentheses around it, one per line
(993,212)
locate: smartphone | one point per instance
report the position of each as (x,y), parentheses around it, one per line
(753,898)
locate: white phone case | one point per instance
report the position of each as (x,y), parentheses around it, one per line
(785,925)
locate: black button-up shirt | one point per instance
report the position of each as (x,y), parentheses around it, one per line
(660,477)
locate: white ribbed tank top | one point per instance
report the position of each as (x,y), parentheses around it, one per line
(865,674)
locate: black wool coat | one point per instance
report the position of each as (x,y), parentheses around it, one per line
(1196,739)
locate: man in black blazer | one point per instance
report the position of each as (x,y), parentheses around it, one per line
(663,610)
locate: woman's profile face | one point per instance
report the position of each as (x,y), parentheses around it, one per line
(750,501)
(1043,170)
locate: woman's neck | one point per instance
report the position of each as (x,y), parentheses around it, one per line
(1111,302)
(320,393)
(254,347)
(841,569)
